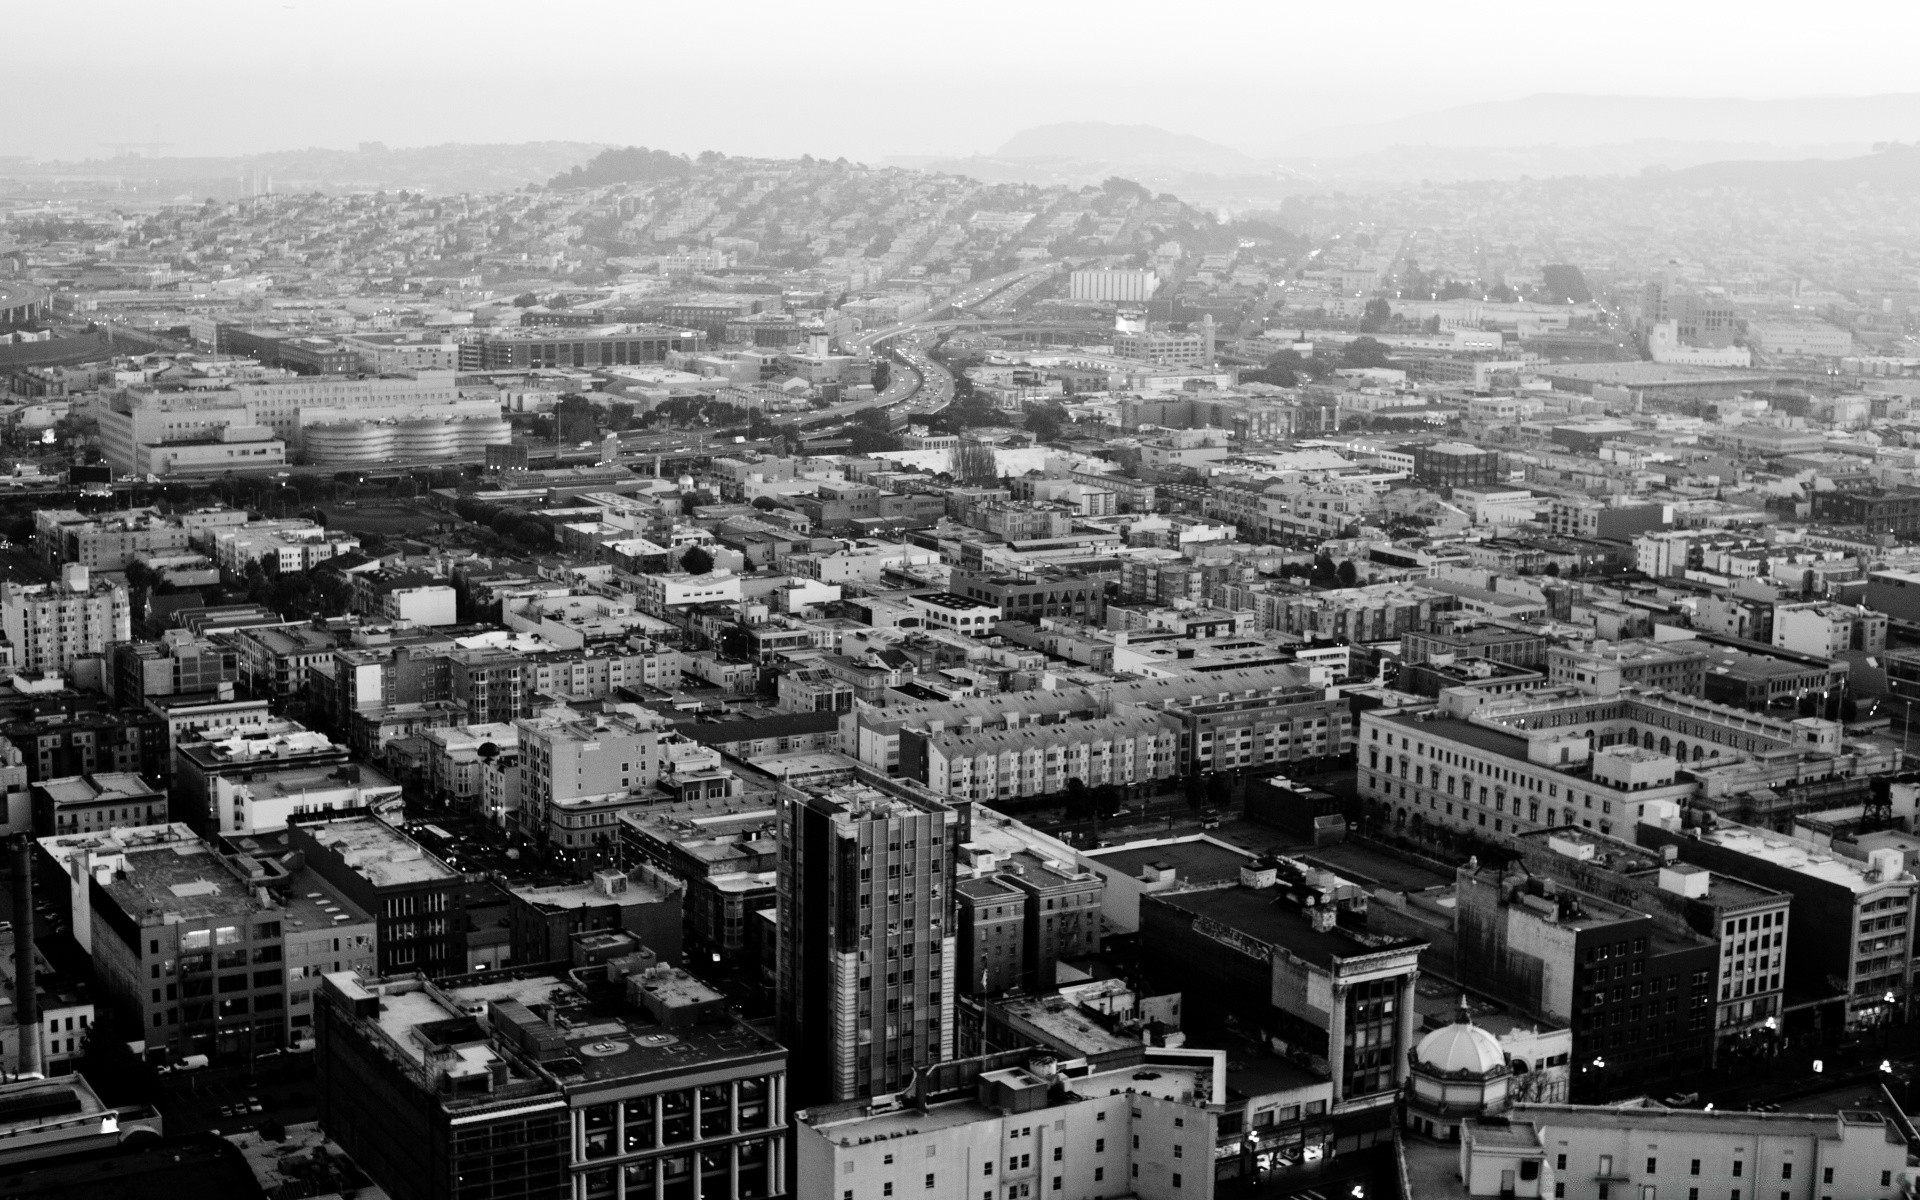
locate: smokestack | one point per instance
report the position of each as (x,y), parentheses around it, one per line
(26,1009)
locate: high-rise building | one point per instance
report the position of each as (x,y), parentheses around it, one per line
(866,957)
(51,624)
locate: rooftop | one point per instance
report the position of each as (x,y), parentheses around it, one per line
(1194,859)
(1794,855)
(380,853)
(1256,914)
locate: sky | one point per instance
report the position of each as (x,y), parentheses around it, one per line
(870,80)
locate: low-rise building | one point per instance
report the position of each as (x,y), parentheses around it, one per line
(87,803)
(634,1081)
(411,894)
(643,902)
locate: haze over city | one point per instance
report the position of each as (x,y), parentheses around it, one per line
(988,602)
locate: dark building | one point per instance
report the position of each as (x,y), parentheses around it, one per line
(1496,643)
(533,1086)
(643,902)
(1288,954)
(412,895)
(178,666)
(1024,599)
(1893,510)
(1019,918)
(76,733)
(1640,997)
(864,875)
(1456,464)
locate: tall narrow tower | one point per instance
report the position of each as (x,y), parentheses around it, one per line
(866,958)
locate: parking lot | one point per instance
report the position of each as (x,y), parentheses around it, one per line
(228,1099)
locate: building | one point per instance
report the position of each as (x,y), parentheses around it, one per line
(643,902)
(178,663)
(1538,1150)
(1286,949)
(576,773)
(976,762)
(1019,915)
(51,624)
(90,803)
(1585,517)
(1748,923)
(957,613)
(1023,1123)
(1515,765)
(241,757)
(725,856)
(632,1080)
(1675,667)
(109,542)
(412,895)
(1501,643)
(1024,598)
(1891,510)
(74,733)
(1855,981)
(866,959)
(1829,630)
(205,952)
(280,661)
(591,346)
(1128,286)
(410,597)
(1552,950)
(1457,464)
(64,1117)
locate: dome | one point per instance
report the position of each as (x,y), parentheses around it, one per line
(1461,1046)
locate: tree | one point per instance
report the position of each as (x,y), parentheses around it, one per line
(1365,352)
(1349,574)
(1044,423)
(1376,314)
(1325,574)
(765,503)
(1553,568)
(696,561)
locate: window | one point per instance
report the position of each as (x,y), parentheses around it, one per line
(1653,1166)
(929,1180)
(1099,1173)
(1786,1170)
(1176,1179)
(1826,1176)
(1739,1168)
(1606,1164)
(986,1168)
(886,1189)
(1696,1167)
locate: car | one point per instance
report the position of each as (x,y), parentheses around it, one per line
(254,1105)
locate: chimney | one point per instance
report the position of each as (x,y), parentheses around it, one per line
(26,1011)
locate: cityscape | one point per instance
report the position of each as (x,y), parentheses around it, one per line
(1082,662)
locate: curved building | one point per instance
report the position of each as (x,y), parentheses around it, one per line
(358,442)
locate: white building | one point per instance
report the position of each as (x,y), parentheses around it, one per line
(1025,1127)
(658,593)
(51,624)
(1539,1150)
(1127,286)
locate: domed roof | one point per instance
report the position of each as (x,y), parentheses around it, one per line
(1461,1046)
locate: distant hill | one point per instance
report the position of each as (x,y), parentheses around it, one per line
(1896,168)
(630,164)
(450,167)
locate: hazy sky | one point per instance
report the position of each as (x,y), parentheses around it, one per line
(866,79)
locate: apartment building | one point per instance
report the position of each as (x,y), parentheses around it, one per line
(1606,666)
(577,773)
(866,974)
(51,624)
(975,762)
(1019,914)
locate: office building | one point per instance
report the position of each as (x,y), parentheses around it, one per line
(201,951)
(1553,1150)
(179,663)
(51,624)
(413,896)
(866,957)
(1457,464)
(1023,1124)
(1853,956)
(592,346)
(1288,952)
(1746,921)
(1639,995)
(644,902)
(631,1080)
(1023,598)
(1565,756)
(1585,517)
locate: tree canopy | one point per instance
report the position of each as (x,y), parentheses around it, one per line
(696,561)
(633,164)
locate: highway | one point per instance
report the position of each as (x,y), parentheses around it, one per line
(921,385)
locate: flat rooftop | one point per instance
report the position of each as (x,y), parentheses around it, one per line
(382,854)
(640,890)
(1196,859)
(1792,854)
(1255,913)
